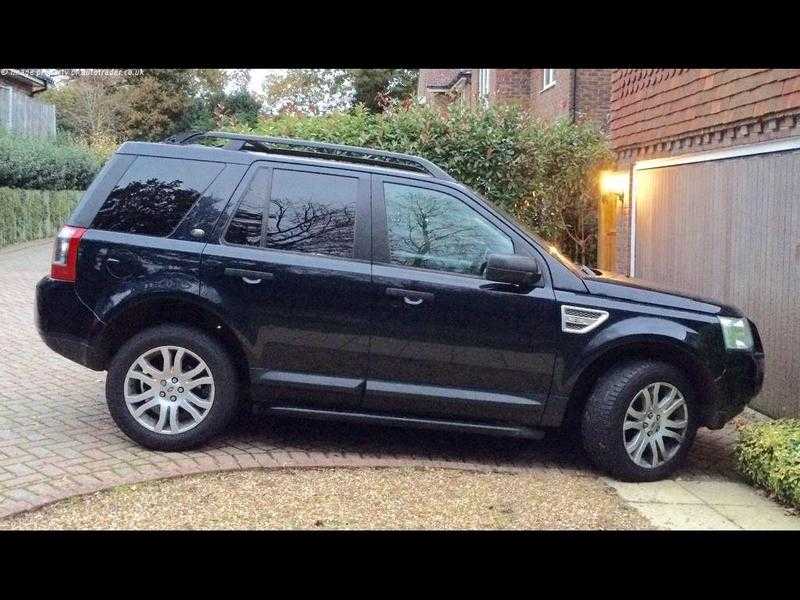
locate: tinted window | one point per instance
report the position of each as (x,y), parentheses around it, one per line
(245,227)
(312,212)
(434,230)
(154,195)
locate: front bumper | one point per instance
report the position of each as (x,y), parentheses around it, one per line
(65,324)
(740,381)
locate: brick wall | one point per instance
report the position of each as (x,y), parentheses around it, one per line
(556,101)
(511,85)
(593,95)
(524,87)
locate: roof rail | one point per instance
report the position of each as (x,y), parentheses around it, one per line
(313,149)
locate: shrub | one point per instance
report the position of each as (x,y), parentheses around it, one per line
(544,174)
(41,163)
(768,455)
(33,214)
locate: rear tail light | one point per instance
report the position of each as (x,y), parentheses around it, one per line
(65,253)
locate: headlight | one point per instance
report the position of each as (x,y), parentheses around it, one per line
(736,333)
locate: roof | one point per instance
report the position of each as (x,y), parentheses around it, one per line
(441,78)
(673,106)
(37,81)
(212,154)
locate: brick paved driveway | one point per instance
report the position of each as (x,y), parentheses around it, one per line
(57,438)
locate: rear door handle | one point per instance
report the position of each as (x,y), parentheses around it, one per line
(248,275)
(410,297)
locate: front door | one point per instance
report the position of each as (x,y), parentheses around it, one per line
(447,343)
(292,267)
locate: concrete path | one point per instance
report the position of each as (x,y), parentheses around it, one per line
(58,440)
(712,504)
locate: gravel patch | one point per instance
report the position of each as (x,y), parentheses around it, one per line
(387,498)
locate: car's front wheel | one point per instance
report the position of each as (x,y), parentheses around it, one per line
(171,387)
(639,421)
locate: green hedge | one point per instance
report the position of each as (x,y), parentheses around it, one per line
(46,164)
(33,214)
(768,455)
(546,174)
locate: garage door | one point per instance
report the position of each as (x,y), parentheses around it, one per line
(729,228)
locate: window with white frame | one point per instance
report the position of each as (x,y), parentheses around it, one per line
(548,78)
(483,84)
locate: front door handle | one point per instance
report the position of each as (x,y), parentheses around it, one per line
(248,275)
(410,297)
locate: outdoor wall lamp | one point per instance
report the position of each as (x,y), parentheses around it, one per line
(614,182)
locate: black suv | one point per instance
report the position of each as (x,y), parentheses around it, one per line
(347,283)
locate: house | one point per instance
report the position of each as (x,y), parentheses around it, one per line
(25,81)
(551,94)
(20,112)
(706,198)
(440,87)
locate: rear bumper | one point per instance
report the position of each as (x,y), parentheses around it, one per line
(65,324)
(75,350)
(740,382)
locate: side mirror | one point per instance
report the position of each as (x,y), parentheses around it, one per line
(511,268)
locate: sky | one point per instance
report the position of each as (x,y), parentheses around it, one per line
(257,78)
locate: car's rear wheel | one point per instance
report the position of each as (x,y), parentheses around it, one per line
(639,421)
(171,388)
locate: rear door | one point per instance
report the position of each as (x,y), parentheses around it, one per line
(290,267)
(447,343)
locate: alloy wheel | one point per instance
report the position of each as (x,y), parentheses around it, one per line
(169,390)
(655,425)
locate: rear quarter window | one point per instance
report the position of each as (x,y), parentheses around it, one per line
(246,227)
(154,195)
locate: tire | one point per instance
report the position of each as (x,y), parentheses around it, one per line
(218,393)
(607,427)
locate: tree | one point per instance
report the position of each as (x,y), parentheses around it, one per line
(112,105)
(311,226)
(210,81)
(224,109)
(376,89)
(238,79)
(319,91)
(425,231)
(308,91)
(242,107)
(157,103)
(86,108)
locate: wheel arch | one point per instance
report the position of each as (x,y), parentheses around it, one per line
(662,349)
(134,316)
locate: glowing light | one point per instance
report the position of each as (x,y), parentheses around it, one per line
(614,182)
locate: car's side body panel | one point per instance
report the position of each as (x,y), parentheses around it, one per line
(465,348)
(644,322)
(303,319)
(335,333)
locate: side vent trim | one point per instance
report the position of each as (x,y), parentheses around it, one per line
(578,319)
